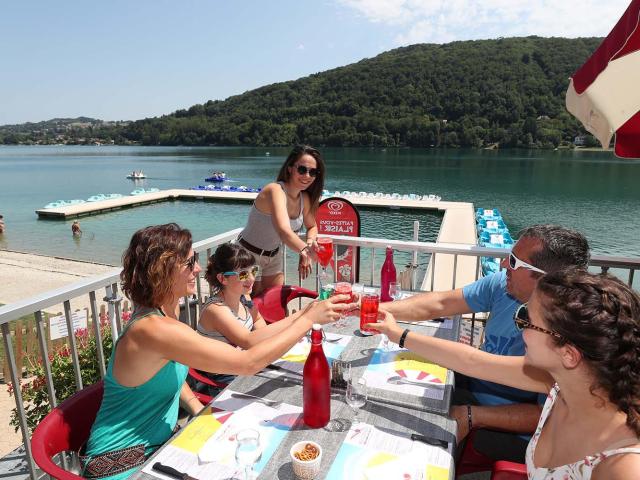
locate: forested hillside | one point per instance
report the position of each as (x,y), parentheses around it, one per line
(471,94)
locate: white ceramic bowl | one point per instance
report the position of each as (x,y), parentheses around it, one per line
(305,470)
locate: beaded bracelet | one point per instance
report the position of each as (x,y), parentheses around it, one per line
(469,417)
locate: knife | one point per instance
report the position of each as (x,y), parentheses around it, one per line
(416,437)
(171,472)
(437,320)
(281,369)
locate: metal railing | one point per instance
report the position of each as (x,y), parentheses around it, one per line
(110,283)
(35,305)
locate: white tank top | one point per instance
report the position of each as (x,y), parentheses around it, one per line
(580,470)
(244,322)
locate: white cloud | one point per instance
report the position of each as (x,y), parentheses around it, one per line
(300,46)
(441,21)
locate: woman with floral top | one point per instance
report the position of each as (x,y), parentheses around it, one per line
(582,334)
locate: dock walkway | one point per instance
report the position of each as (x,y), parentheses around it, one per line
(458,226)
(94,208)
(458,223)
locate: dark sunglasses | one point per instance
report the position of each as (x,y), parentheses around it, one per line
(191,263)
(522,321)
(244,274)
(302,170)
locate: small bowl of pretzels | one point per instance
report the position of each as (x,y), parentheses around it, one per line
(306,457)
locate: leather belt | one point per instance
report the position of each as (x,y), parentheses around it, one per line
(256,250)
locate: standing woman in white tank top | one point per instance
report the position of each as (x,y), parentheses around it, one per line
(280,211)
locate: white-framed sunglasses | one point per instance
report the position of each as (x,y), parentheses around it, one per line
(515,263)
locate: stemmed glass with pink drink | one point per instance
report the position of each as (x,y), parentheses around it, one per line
(325,255)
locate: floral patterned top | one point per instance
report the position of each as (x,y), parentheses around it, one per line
(580,470)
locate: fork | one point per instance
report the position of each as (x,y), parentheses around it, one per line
(265,401)
(397,380)
(332,340)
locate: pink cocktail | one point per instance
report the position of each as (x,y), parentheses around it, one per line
(325,254)
(369,311)
(325,251)
(343,288)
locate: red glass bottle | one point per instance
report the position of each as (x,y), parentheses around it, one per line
(387,275)
(316,390)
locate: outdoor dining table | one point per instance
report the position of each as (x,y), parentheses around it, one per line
(402,415)
(360,349)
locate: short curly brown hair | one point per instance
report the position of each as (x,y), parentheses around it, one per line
(150,262)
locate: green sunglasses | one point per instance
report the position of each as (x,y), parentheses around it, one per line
(244,274)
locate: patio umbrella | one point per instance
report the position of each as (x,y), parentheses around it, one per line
(604,93)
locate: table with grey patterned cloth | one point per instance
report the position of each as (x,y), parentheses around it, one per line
(398,419)
(360,350)
(401,413)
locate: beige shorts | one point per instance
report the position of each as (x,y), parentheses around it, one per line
(269,266)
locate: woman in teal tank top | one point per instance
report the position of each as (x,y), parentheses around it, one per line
(145,381)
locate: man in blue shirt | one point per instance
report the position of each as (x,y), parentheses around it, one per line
(490,408)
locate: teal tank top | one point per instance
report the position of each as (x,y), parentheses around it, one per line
(146,414)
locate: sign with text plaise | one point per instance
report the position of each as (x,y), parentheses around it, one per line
(337,216)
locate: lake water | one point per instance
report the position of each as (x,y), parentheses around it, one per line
(590,191)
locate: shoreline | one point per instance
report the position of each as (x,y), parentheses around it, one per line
(25,275)
(29,274)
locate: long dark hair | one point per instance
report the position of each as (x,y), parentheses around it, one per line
(150,262)
(600,316)
(227,257)
(315,189)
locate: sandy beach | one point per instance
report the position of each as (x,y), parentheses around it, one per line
(23,275)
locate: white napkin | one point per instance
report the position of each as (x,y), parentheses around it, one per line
(221,446)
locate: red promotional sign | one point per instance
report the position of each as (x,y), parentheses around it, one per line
(337,216)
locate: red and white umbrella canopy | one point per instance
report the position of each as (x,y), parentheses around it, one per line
(604,94)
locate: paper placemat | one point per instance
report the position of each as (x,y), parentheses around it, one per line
(440,323)
(371,453)
(399,370)
(292,362)
(205,448)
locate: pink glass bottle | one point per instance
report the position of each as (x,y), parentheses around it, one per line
(316,390)
(387,276)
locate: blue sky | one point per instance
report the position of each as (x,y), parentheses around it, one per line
(125,60)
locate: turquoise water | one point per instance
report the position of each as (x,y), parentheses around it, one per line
(590,191)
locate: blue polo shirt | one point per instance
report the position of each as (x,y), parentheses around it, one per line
(501,337)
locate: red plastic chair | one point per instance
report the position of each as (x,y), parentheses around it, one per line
(272,303)
(471,460)
(203,397)
(66,428)
(503,470)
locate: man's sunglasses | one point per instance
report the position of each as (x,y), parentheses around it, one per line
(515,263)
(302,170)
(191,263)
(244,274)
(522,321)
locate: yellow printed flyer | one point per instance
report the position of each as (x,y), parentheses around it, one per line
(401,371)
(373,453)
